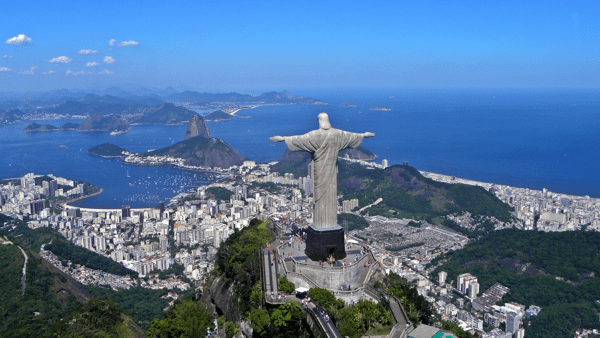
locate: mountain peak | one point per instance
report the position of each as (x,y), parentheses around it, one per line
(196,127)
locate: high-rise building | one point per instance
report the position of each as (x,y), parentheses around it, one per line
(473,289)
(52,188)
(100,243)
(27,180)
(520,333)
(464,281)
(442,277)
(384,163)
(36,207)
(161,208)
(164,244)
(125,211)
(512,322)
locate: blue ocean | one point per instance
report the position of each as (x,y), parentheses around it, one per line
(525,138)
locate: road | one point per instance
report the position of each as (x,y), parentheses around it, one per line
(24,271)
(23,277)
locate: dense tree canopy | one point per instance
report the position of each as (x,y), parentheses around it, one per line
(188,319)
(556,271)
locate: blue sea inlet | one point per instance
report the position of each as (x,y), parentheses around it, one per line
(525,138)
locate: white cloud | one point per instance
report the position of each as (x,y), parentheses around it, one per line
(77,73)
(7,57)
(112,42)
(19,40)
(128,43)
(106,72)
(4,69)
(61,59)
(109,60)
(92,64)
(88,52)
(30,71)
(48,72)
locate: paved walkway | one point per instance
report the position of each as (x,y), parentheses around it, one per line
(270,268)
(294,247)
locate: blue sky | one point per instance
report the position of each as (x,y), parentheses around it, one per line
(254,46)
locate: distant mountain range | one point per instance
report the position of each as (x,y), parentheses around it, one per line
(271,97)
(142,106)
(143,96)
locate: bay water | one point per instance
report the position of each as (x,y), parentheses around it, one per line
(545,138)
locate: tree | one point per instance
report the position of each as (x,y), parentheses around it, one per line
(260,321)
(285,285)
(325,298)
(187,319)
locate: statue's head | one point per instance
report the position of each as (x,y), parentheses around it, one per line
(324,121)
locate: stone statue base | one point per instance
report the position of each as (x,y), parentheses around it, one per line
(320,244)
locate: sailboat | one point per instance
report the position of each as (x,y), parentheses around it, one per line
(128,173)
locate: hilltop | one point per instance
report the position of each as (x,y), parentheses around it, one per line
(296,162)
(200,151)
(33,127)
(407,194)
(107,150)
(110,123)
(167,114)
(218,116)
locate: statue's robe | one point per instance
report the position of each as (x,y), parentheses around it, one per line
(324,145)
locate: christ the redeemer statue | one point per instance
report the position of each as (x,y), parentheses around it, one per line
(324,144)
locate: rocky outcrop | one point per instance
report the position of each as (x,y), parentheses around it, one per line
(360,153)
(202,152)
(109,123)
(196,127)
(220,298)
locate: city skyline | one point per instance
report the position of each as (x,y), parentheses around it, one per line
(255,47)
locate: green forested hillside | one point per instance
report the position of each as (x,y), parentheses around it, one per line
(238,261)
(49,295)
(99,317)
(407,194)
(62,248)
(143,305)
(557,271)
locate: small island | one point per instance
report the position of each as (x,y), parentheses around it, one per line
(347,105)
(34,127)
(381,108)
(218,116)
(108,150)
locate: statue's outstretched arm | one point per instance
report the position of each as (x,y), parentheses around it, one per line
(368,134)
(277,139)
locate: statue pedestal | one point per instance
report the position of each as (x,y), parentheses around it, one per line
(320,244)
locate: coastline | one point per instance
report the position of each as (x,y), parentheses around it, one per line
(66,205)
